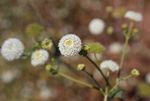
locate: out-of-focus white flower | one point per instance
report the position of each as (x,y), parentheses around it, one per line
(148,78)
(135,16)
(46,93)
(70,45)
(9,76)
(115,47)
(12,49)
(39,57)
(109,65)
(27,90)
(96,26)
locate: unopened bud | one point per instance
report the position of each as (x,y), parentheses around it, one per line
(135,72)
(81,67)
(47,44)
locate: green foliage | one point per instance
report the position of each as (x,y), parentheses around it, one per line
(116,93)
(95,47)
(34,29)
(144,89)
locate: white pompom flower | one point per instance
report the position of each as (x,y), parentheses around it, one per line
(109,65)
(96,26)
(39,57)
(115,47)
(70,45)
(12,49)
(135,16)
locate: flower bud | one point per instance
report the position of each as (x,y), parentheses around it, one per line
(81,67)
(47,44)
(48,67)
(52,71)
(135,72)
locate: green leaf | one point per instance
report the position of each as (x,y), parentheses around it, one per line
(95,47)
(117,93)
(34,29)
(144,89)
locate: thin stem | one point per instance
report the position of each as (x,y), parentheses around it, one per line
(127,37)
(106,94)
(92,78)
(77,81)
(97,67)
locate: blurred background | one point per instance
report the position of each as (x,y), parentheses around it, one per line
(36,19)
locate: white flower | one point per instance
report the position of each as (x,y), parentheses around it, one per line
(9,76)
(39,57)
(115,47)
(135,16)
(110,65)
(148,78)
(96,26)
(70,45)
(12,49)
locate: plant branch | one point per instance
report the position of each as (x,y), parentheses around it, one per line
(127,37)
(77,81)
(97,67)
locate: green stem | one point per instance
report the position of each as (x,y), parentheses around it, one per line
(106,94)
(127,37)
(97,67)
(77,81)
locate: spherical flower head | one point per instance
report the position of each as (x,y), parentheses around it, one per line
(110,65)
(115,47)
(39,57)
(70,45)
(135,16)
(12,49)
(96,26)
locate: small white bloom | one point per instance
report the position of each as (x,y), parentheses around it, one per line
(96,26)
(110,65)
(9,76)
(45,93)
(12,49)
(148,78)
(135,16)
(115,47)
(39,57)
(70,45)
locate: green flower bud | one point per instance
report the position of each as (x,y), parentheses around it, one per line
(47,44)
(109,9)
(51,70)
(48,67)
(135,30)
(135,72)
(124,26)
(110,30)
(81,67)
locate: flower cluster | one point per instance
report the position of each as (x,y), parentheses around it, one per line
(70,45)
